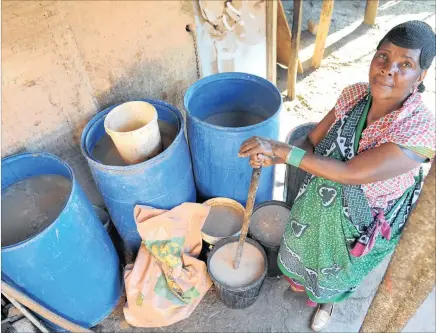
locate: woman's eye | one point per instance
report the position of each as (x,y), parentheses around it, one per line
(407,64)
(382,56)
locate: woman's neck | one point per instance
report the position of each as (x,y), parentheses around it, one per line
(380,108)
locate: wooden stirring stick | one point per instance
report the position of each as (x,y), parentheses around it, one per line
(247,216)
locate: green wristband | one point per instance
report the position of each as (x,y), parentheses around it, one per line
(295,156)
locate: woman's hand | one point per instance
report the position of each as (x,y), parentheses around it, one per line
(264,152)
(260,160)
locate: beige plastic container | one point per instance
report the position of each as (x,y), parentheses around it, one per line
(210,239)
(134,130)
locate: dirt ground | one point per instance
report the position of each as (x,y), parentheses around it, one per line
(348,52)
(350,47)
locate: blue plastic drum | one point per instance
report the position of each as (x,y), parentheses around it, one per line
(224,110)
(71,266)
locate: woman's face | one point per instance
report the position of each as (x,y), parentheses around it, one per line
(394,72)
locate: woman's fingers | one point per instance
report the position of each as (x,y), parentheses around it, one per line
(252,139)
(248,145)
(252,151)
(259,160)
(256,146)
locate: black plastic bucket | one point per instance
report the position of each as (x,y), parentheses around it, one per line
(294,177)
(240,297)
(272,250)
(205,250)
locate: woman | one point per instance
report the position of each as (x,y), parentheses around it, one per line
(363,162)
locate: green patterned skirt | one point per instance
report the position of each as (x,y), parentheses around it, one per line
(333,238)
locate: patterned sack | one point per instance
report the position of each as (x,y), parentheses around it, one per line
(166,282)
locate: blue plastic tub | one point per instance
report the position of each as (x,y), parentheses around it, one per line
(218,170)
(71,267)
(164,181)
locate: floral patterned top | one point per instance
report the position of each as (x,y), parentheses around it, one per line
(412,126)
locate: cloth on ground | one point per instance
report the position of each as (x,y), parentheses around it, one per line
(167,281)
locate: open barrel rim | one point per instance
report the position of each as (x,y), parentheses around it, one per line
(100,117)
(238,76)
(16,159)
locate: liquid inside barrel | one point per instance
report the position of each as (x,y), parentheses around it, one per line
(32,204)
(54,246)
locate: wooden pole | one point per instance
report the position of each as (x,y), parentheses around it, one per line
(300,68)
(254,184)
(11,292)
(322,32)
(271,40)
(371,11)
(284,39)
(295,46)
(410,276)
(27,314)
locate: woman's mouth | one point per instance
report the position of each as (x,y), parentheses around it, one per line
(382,83)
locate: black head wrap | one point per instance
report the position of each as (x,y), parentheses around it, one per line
(414,35)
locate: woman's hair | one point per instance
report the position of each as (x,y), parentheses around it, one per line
(414,35)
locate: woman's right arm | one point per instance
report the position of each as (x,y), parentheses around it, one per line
(307,143)
(384,162)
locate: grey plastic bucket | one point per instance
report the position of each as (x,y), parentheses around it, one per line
(294,177)
(271,250)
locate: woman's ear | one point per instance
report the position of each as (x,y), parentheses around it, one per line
(421,76)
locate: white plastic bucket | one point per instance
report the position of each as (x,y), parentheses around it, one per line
(134,130)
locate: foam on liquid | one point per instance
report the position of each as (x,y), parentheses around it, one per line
(250,269)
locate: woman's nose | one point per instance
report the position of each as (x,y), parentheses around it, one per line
(389,69)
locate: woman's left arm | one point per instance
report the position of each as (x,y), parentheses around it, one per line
(381,163)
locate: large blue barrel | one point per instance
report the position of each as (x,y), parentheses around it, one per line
(164,181)
(71,267)
(209,103)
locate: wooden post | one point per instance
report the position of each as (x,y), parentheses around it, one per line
(410,276)
(323,30)
(371,11)
(300,67)
(295,46)
(271,40)
(284,39)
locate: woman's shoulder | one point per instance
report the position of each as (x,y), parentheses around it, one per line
(423,111)
(415,111)
(349,97)
(415,127)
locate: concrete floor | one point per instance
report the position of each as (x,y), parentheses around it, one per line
(346,61)
(279,310)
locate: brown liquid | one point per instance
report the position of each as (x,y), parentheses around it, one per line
(223,221)
(268,224)
(31,205)
(234,119)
